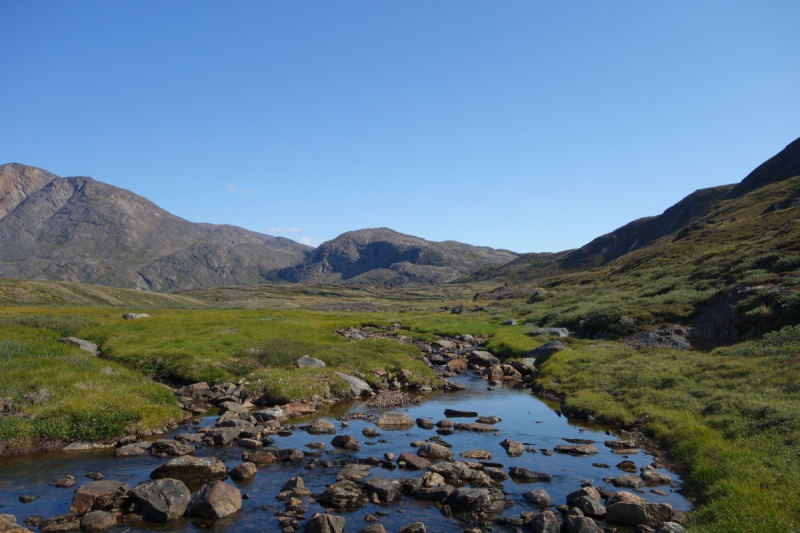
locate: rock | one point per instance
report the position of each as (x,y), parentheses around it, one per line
(627,466)
(193,471)
(298,409)
(394,420)
(456,413)
(635,513)
(496,474)
(272,413)
(464,499)
(582,450)
(630,482)
(320,427)
(416,527)
(233,407)
(82,344)
(296,486)
(64,522)
(354,472)
(445,345)
(357,386)
(259,457)
(466,338)
(651,477)
(344,494)
(512,447)
(162,500)
(413,462)
(436,493)
(538,497)
(477,454)
(164,447)
(483,359)
(544,352)
(311,362)
(8,524)
(250,444)
(370,433)
(28,499)
(132,450)
(385,488)
(65,482)
(434,451)
(480,428)
(98,496)
(624,497)
(670,527)
(289,455)
(488,420)
(509,322)
(545,522)
(588,500)
(98,521)
(523,474)
(325,523)
(244,472)
(215,500)
(451,386)
(580,524)
(561,332)
(347,442)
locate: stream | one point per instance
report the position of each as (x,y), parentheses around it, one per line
(525,418)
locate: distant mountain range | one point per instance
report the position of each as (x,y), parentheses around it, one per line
(81,230)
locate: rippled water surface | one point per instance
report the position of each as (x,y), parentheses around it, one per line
(524,418)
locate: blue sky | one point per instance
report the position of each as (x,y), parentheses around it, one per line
(529,125)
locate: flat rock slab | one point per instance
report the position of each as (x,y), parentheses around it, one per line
(98,496)
(84,345)
(577,449)
(413,462)
(480,428)
(524,474)
(394,420)
(135,316)
(193,471)
(455,413)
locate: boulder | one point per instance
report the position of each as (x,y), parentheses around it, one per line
(193,471)
(244,472)
(561,332)
(63,522)
(386,489)
(544,352)
(436,493)
(272,413)
(523,474)
(509,322)
(320,427)
(670,527)
(581,450)
(652,477)
(483,455)
(344,494)
(325,523)
(394,420)
(465,499)
(311,362)
(630,482)
(289,455)
(259,457)
(8,524)
(296,486)
(512,447)
(358,386)
(445,345)
(165,447)
(98,521)
(435,451)
(346,441)
(538,497)
(297,409)
(416,527)
(635,513)
(84,345)
(162,500)
(580,524)
(457,413)
(98,496)
(215,500)
(413,462)
(545,522)
(483,359)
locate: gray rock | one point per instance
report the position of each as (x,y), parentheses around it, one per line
(385,488)
(509,322)
(216,500)
(162,500)
(524,474)
(394,420)
(538,497)
(580,524)
(512,447)
(98,521)
(413,462)
(357,386)
(467,338)
(344,494)
(244,472)
(630,482)
(635,513)
(193,471)
(424,423)
(416,527)
(135,316)
(581,450)
(166,447)
(464,499)
(325,523)
(311,362)
(670,527)
(82,344)
(545,522)
(544,352)
(320,427)
(63,522)
(561,332)
(272,413)
(482,358)
(435,451)
(436,493)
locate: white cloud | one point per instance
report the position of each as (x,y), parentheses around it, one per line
(283,229)
(231,187)
(308,241)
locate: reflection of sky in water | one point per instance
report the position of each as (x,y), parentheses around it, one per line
(519,411)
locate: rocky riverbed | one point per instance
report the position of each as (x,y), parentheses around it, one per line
(479,453)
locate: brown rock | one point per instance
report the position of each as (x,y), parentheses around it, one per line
(98,521)
(98,496)
(244,472)
(413,462)
(215,500)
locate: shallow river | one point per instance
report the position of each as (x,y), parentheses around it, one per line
(524,418)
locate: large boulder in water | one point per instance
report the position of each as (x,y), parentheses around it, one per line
(394,420)
(98,496)
(162,500)
(215,500)
(193,471)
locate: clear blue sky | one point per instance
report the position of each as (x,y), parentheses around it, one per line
(527,125)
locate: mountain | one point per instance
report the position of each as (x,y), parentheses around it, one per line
(81,230)
(385,257)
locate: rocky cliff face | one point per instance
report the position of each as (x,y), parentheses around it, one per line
(79,229)
(385,257)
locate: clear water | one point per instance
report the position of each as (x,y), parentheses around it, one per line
(525,418)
